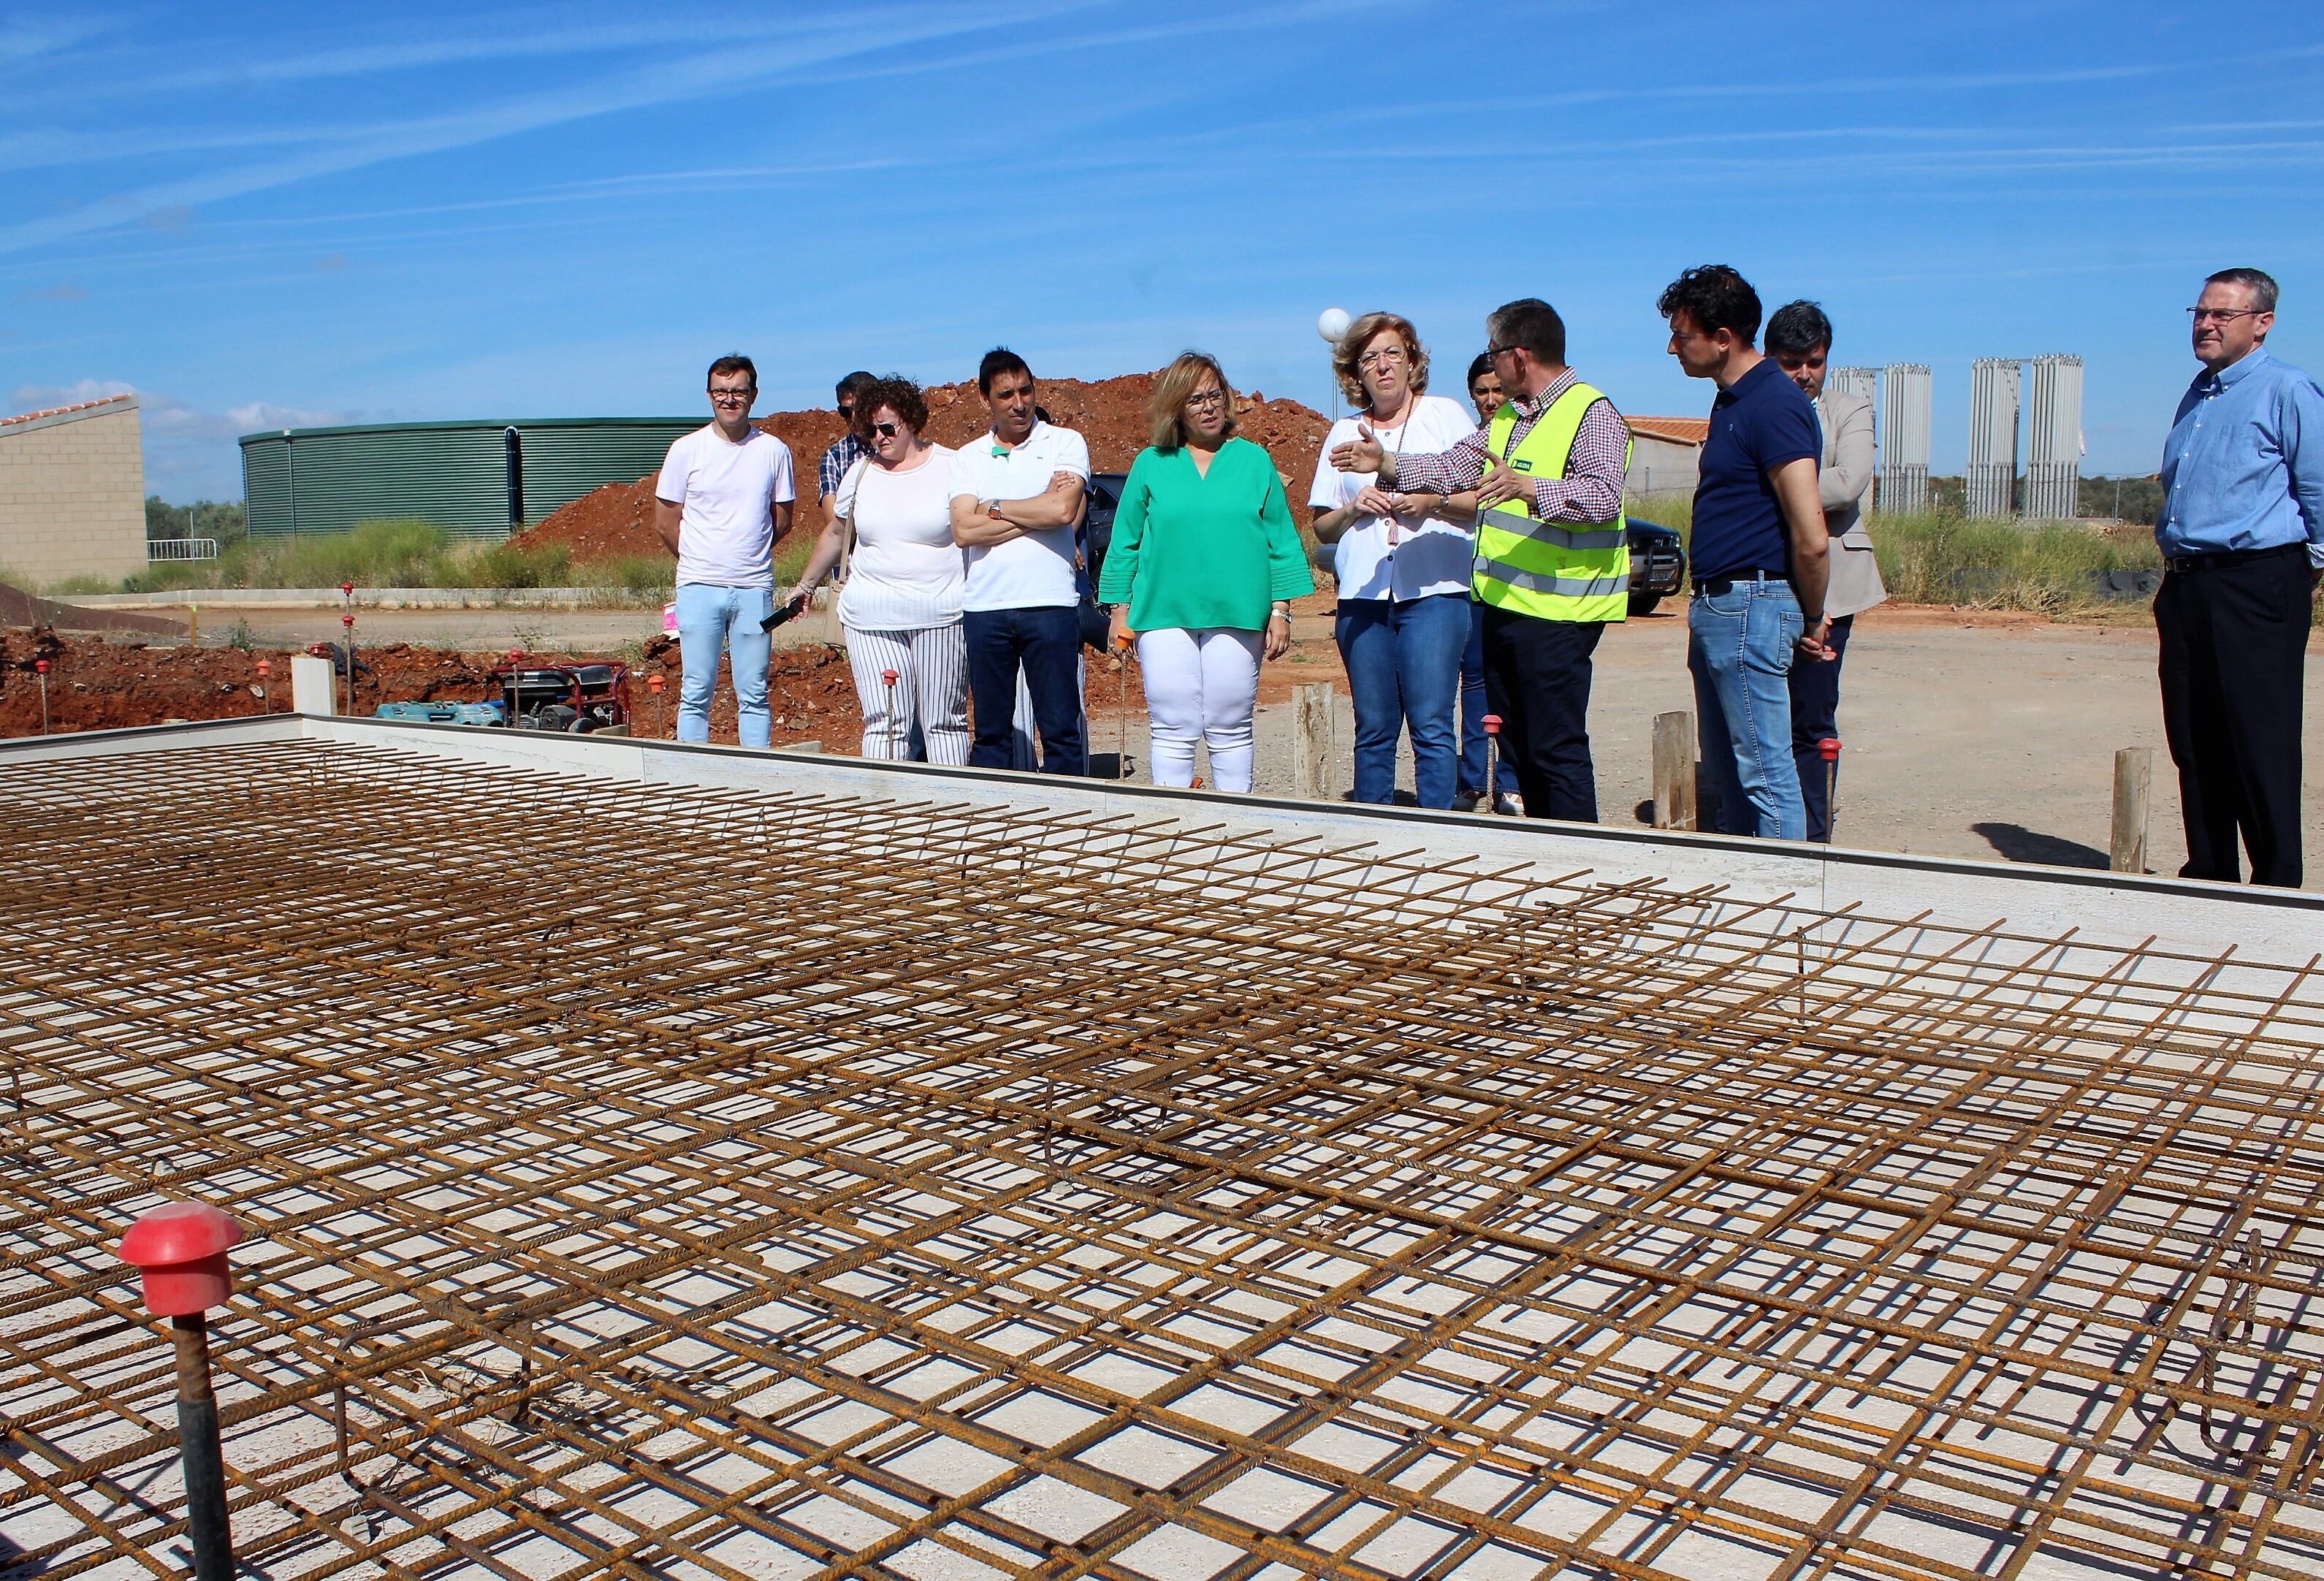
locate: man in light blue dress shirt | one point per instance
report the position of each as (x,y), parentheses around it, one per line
(2242,534)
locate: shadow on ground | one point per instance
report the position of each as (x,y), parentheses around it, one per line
(2016,842)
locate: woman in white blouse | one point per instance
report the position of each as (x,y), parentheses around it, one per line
(1403,564)
(900,603)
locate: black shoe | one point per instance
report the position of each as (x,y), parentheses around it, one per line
(1466,800)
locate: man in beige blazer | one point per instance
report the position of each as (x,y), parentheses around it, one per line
(1799,338)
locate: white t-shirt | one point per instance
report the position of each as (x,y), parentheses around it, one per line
(1435,559)
(726,536)
(907,571)
(1036,570)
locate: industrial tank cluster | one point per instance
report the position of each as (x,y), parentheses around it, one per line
(475,479)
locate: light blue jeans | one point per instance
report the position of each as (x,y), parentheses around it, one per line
(1739,648)
(1404,674)
(710,619)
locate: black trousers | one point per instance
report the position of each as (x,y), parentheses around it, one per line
(1537,680)
(1815,714)
(2234,639)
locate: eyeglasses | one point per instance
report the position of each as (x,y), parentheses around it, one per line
(846,408)
(1497,350)
(723,396)
(2222,315)
(885,430)
(1385,356)
(1207,398)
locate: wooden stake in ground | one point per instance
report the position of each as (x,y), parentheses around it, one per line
(2134,779)
(1121,705)
(1310,741)
(1675,771)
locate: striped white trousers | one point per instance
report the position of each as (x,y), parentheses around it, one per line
(931,690)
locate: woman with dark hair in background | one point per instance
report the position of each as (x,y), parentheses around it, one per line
(1203,568)
(1485,394)
(1403,564)
(901,604)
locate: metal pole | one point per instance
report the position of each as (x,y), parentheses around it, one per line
(41,667)
(197,1451)
(888,677)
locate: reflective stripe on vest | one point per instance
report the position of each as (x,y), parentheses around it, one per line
(1547,570)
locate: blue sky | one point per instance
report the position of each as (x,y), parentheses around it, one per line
(257,215)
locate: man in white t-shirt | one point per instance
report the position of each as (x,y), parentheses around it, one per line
(1016,495)
(724,497)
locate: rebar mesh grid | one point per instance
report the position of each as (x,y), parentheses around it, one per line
(694,1183)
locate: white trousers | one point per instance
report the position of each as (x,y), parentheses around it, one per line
(931,690)
(1201,686)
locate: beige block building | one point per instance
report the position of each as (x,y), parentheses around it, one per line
(72,493)
(1665,455)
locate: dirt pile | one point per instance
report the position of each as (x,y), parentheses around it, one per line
(1110,414)
(95,685)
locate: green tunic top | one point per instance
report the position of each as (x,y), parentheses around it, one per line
(1193,549)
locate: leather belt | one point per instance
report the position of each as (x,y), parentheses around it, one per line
(1720,587)
(2221,560)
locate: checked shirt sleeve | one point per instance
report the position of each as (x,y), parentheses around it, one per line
(1446,472)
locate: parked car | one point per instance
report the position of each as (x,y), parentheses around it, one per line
(1657,565)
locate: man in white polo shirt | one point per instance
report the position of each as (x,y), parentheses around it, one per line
(1016,495)
(724,497)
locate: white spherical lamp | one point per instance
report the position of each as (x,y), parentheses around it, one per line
(1332,323)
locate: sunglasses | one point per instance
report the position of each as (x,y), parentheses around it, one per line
(885,430)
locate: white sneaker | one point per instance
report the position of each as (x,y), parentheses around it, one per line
(1510,805)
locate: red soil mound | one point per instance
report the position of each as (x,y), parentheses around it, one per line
(1110,414)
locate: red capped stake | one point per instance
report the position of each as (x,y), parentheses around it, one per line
(1830,748)
(180,1249)
(1492,724)
(40,666)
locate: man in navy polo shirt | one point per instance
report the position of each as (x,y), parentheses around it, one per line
(1759,551)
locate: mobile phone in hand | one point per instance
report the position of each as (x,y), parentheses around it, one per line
(783,612)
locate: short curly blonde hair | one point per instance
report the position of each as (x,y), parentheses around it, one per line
(1165,408)
(1351,346)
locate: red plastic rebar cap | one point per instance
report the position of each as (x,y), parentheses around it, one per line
(180,1249)
(41,665)
(1830,747)
(889,675)
(265,667)
(1492,724)
(347,619)
(347,588)
(653,683)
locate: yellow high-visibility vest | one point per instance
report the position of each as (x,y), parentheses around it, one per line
(1577,571)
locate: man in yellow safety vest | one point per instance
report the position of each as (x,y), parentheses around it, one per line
(1553,560)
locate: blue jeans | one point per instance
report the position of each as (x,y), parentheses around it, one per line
(712,618)
(1473,710)
(1738,648)
(1046,642)
(1403,672)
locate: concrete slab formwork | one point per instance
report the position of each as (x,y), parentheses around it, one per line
(844,1171)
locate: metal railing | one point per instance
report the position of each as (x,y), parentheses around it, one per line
(165,551)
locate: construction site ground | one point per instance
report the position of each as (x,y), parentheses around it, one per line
(1969,734)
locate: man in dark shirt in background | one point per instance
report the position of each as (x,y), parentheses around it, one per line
(1759,551)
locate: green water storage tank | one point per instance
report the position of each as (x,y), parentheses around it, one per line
(474,478)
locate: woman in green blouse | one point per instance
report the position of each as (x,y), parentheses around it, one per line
(1202,569)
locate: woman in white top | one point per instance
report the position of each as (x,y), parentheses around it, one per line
(1403,564)
(900,603)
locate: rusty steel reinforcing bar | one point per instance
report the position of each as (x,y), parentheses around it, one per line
(710,1183)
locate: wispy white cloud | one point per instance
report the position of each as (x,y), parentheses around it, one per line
(702,74)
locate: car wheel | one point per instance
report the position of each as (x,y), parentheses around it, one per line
(1644,602)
